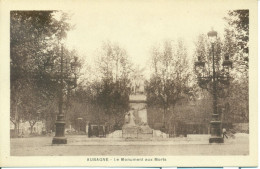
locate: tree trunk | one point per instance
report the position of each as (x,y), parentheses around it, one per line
(174,130)
(31,126)
(109,122)
(18,125)
(31,129)
(172,120)
(15,129)
(163,118)
(16,121)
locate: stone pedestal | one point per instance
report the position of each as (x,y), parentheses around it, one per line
(136,125)
(215,130)
(130,132)
(145,132)
(137,132)
(60,129)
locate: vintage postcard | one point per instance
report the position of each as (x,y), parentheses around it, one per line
(128,83)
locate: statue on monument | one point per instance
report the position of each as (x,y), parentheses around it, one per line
(129,118)
(136,125)
(137,84)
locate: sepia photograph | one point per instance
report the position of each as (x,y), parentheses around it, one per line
(137,80)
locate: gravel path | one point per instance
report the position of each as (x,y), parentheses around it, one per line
(83,146)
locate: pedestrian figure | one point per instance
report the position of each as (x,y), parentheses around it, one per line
(224,132)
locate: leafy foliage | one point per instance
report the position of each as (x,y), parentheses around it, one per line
(233,99)
(35,56)
(104,99)
(170,81)
(237,46)
(237,30)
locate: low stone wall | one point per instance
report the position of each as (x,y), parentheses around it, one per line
(135,134)
(241,127)
(198,136)
(160,134)
(115,134)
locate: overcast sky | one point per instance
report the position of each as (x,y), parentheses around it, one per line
(138,26)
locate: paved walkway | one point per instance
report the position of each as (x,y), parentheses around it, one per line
(81,145)
(82,140)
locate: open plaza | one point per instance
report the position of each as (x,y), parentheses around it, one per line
(81,145)
(157,94)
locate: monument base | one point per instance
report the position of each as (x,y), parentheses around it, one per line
(130,132)
(59,140)
(137,132)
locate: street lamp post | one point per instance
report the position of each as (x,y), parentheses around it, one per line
(59,137)
(213,81)
(64,79)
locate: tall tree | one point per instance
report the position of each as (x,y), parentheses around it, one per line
(237,33)
(102,97)
(236,46)
(34,47)
(170,80)
(28,30)
(114,68)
